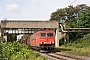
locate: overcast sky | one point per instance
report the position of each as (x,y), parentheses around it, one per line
(33,9)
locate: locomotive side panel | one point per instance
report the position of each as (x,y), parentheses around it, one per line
(37,39)
(34,40)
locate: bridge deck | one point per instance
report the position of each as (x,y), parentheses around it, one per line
(29,24)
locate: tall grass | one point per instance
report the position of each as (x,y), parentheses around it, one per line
(79,47)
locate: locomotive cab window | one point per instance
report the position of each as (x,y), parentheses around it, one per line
(43,34)
(50,34)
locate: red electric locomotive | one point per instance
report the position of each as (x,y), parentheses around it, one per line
(43,40)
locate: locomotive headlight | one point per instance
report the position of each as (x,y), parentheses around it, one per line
(42,42)
(51,42)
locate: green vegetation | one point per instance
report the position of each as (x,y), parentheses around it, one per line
(75,17)
(17,51)
(85,51)
(79,47)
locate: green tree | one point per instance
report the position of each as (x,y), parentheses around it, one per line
(84,19)
(74,17)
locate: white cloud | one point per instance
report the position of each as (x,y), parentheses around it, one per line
(35,1)
(12,8)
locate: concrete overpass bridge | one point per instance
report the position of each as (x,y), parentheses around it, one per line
(18,27)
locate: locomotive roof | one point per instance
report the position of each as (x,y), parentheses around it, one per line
(46,31)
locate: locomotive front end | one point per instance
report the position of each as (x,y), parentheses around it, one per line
(47,40)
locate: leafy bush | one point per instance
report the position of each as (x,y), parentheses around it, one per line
(17,51)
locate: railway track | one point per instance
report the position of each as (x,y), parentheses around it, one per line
(60,56)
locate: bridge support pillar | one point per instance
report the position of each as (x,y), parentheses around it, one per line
(67,37)
(57,38)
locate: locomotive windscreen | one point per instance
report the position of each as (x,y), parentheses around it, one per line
(50,34)
(47,34)
(43,34)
